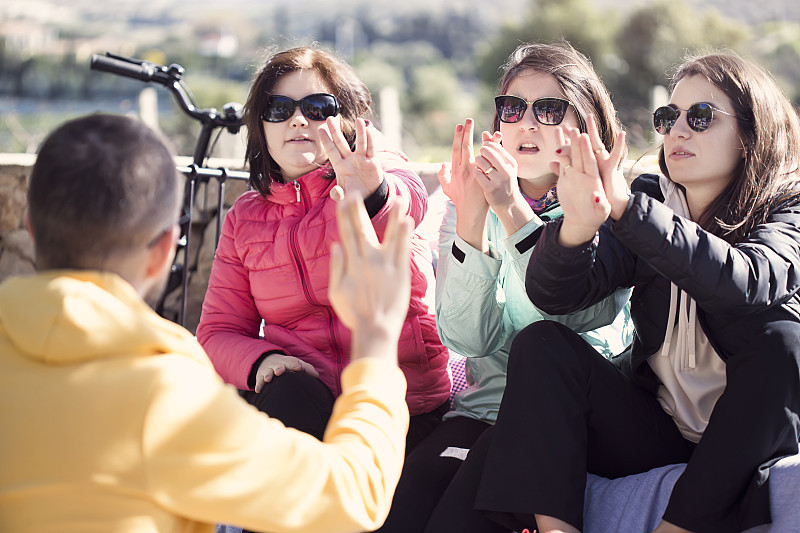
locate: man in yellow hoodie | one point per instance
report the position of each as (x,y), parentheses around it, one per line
(114,420)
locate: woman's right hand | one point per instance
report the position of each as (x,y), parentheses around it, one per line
(461,186)
(276,364)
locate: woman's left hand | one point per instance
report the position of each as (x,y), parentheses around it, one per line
(614,184)
(580,186)
(357,172)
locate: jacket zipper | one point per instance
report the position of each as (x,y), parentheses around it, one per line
(301,269)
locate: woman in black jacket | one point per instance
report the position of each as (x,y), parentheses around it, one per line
(712,251)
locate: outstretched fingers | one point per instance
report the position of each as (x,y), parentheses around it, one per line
(334,130)
(397,237)
(326,140)
(362,140)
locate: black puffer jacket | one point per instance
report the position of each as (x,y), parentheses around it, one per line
(738,288)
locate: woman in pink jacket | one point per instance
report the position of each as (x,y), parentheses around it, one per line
(304,138)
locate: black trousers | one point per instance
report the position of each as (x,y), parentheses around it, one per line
(428,471)
(304,402)
(567,411)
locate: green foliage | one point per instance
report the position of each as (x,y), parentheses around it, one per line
(432,96)
(577,21)
(656,37)
(444,59)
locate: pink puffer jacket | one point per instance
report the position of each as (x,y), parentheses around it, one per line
(272,263)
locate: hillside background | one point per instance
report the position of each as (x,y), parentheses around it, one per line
(441,57)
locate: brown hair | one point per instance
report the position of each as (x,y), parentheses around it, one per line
(577,78)
(769,130)
(341,80)
(101,186)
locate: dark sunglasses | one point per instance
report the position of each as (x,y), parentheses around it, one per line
(317,106)
(698,116)
(548,111)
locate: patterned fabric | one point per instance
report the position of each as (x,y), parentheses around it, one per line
(542,204)
(458,375)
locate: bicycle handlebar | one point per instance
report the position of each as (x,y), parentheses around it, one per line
(130,68)
(170,77)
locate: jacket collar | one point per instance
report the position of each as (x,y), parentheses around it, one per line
(315,184)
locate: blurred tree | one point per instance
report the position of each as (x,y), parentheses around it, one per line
(432,97)
(657,36)
(779,46)
(655,39)
(577,21)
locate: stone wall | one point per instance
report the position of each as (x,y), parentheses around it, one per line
(16,249)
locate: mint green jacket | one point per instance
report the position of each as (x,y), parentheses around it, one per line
(481,305)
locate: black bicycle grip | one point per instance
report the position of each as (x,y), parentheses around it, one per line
(143,71)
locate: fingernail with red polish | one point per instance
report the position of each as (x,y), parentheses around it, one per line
(558,151)
(596,199)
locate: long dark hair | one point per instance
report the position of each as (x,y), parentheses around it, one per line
(769,130)
(577,78)
(340,79)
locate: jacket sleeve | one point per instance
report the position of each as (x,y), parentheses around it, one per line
(406,190)
(469,316)
(212,458)
(562,280)
(519,248)
(229,324)
(760,272)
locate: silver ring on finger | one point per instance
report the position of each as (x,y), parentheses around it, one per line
(489,171)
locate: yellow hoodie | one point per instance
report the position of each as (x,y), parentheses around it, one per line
(113,420)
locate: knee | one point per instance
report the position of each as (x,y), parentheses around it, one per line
(298,388)
(546,344)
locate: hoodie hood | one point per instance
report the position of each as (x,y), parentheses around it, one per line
(66,317)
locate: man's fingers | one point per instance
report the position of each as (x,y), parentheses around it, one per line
(337,267)
(401,247)
(346,229)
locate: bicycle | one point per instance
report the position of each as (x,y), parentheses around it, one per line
(197,173)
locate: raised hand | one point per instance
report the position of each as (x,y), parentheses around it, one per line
(581,189)
(358,172)
(614,184)
(461,186)
(370,282)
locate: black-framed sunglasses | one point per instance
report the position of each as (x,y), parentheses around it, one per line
(318,106)
(549,111)
(698,116)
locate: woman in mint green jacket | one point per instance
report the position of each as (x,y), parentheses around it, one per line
(499,200)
